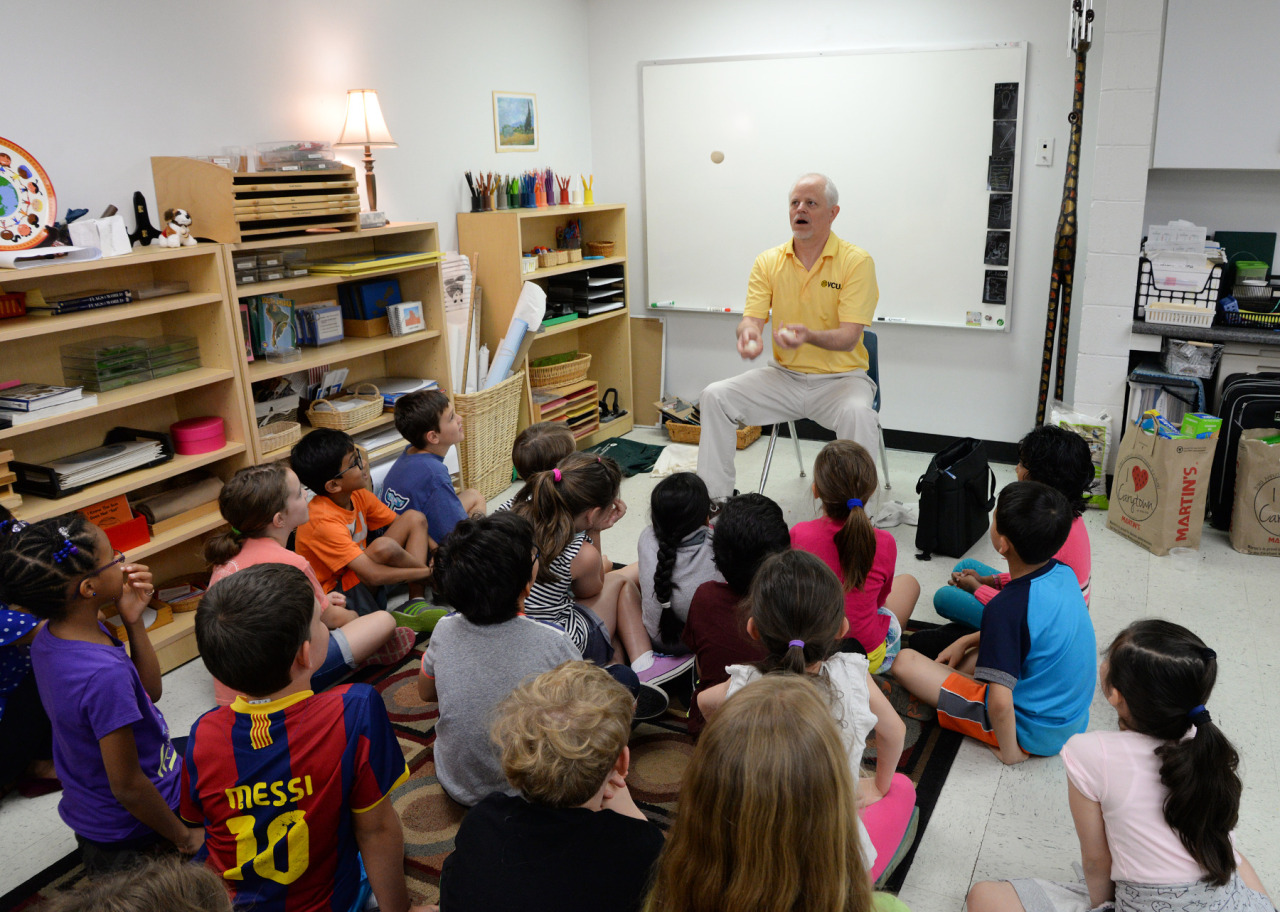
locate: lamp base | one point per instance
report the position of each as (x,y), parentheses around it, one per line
(374,219)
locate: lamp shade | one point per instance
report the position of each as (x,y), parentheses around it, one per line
(364,125)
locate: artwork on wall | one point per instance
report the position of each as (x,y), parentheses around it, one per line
(28,206)
(515,122)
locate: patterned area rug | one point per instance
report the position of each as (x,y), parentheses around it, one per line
(660,752)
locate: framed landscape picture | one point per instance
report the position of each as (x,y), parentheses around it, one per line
(515,122)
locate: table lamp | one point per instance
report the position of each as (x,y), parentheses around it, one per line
(364,126)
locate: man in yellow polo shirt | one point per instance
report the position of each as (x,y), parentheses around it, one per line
(821,292)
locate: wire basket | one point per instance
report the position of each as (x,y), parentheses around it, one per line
(324,413)
(600,248)
(692,433)
(560,374)
(489,418)
(279,434)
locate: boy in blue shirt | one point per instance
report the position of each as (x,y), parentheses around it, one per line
(419,479)
(1022,685)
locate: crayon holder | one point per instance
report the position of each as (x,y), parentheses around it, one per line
(477,205)
(502,198)
(564,196)
(575,198)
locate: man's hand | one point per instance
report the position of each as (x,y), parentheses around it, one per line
(792,336)
(749,344)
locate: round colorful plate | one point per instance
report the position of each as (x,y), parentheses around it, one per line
(27,203)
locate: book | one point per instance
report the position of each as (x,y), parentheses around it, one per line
(39,306)
(357,264)
(13,417)
(405,317)
(31,396)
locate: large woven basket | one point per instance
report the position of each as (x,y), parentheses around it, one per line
(560,374)
(692,433)
(489,420)
(279,434)
(323,413)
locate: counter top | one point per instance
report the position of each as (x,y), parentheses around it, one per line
(1248,335)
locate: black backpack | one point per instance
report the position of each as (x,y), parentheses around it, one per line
(957,494)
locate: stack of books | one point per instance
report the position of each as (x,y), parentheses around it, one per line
(36,401)
(40,306)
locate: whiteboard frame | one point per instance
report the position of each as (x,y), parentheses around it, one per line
(655,309)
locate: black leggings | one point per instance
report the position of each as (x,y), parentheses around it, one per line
(24,732)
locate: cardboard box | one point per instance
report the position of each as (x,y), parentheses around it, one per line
(367,329)
(108,513)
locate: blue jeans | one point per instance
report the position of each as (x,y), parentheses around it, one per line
(954,604)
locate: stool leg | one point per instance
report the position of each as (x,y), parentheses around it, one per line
(884,462)
(795,438)
(768,456)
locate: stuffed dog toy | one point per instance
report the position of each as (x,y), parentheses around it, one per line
(177,229)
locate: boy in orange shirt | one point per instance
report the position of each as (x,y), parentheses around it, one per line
(355,543)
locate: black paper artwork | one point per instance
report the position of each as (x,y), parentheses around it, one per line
(997,249)
(994,286)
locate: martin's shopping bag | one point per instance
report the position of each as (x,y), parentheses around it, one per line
(1255,518)
(1160,487)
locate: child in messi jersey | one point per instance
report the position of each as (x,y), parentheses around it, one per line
(290,785)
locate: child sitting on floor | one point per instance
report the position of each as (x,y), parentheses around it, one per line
(675,557)
(797,612)
(355,543)
(292,786)
(749,528)
(1023,684)
(574,588)
(876,602)
(119,770)
(419,480)
(1053,456)
(1154,803)
(767,812)
(540,447)
(571,838)
(264,504)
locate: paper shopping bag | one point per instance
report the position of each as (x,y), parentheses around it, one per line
(1159,491)
(1255,518)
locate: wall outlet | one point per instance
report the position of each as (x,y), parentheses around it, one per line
(1044,153)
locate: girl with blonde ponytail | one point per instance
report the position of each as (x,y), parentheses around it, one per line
(796,611)
(877,604)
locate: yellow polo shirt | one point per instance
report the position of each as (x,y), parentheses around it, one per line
(840,288)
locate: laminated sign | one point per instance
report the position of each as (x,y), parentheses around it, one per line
(1255,519)
(1159,491)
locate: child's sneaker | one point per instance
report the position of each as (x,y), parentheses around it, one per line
(651,702)
(419,615)
(666,667)
(394,649)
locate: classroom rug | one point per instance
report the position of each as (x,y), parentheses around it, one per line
(660,752)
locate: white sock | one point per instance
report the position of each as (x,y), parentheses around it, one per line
(642,662)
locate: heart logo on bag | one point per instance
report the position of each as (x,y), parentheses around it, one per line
(1140,478)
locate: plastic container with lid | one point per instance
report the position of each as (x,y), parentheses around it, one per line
(193,436)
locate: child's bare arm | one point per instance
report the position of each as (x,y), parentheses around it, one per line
(1095,854)
(1004,724)
(138,795)
(427,689)
(373,572)
(713,698)
(381,841)
(891,735)
(133,600)
(588,572)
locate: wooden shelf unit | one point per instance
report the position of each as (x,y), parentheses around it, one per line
(500,238)
(30,351)
(421,354)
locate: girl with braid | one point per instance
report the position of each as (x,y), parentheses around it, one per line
(877,603)
(120,772)
(1154,803)
(675,557)
(263,505)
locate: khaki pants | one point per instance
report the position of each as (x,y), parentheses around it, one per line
(768,395)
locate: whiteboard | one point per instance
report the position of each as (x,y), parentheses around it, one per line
(907,137)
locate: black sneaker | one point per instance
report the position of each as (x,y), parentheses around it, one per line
(651,702)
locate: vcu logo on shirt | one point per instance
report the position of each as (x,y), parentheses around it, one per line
(835,285)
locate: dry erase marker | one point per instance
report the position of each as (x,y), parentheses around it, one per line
(663,304)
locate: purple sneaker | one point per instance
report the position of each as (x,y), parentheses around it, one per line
(666,667)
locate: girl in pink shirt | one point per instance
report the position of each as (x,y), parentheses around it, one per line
(1053,456)
(877,604)
(264,504)
(1154,803)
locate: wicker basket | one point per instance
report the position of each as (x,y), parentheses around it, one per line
(322,412)
(279,434)
(600,248)
(692,433)
(560,374)
(489,418)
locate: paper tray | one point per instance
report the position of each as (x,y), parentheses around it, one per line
(43,482)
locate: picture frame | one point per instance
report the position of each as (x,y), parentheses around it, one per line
(515,121)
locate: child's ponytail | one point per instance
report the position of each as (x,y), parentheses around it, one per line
(797,606)
(1165,674)
(845,476)
(552,500)
(249,503)
(679,505)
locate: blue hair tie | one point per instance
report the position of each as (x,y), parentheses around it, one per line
(67,548)
(853,502)
(1199,715)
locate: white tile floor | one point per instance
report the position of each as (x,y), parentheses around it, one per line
(990,821)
